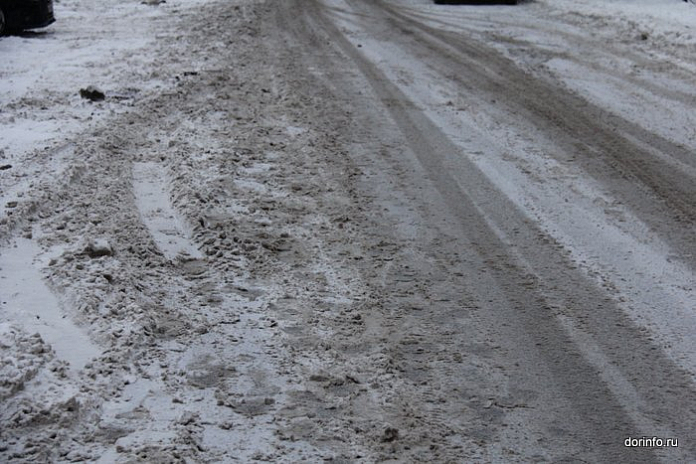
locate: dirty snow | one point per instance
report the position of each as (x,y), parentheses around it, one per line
(169,254)
(603,237)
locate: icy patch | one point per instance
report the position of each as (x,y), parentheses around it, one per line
(294,131)
(166,226)
(256,168)
(24,134)
(27,301)
(251,185)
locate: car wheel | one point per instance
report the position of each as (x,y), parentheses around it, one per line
(3,23)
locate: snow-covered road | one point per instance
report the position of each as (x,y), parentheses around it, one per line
(349,231)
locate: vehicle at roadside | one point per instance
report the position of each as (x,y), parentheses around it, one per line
(476,2)
(18,15)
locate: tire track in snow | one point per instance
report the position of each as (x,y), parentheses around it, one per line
(27,300)
(556,285)
(167,227)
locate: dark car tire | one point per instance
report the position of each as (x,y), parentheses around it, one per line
(3,23)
